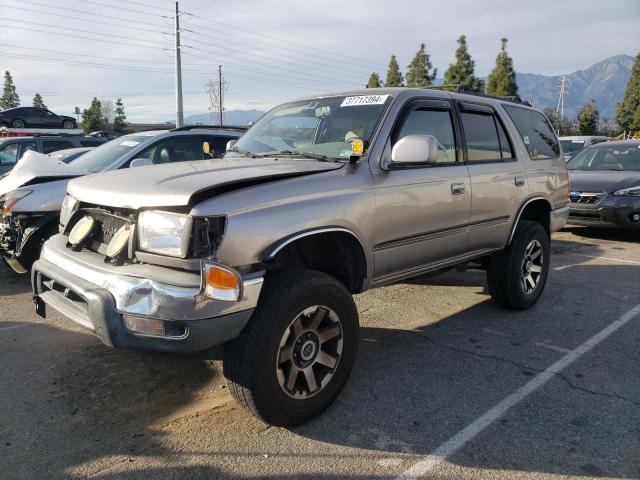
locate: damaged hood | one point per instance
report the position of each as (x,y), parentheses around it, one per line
(34,165)
(174,184)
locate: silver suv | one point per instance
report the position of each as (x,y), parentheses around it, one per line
(322,198)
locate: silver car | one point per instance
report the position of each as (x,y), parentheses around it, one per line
(322,198)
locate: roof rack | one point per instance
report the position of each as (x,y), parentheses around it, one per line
(210,127)
(460,88)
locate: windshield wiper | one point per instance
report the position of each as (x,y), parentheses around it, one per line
(244,153)
(291,153)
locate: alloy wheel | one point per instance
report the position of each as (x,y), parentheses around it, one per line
(532,266)
(309,352)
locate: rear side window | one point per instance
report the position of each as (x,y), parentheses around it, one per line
(12,152)
(90,143)
(536,133)
(485,138)
(49,146)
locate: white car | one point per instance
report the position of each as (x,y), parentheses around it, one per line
(573,144)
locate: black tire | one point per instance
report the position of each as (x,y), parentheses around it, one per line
(506,277)
(251,362)
(68,124)
(32,249)
(18,123)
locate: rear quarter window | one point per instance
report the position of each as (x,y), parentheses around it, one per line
(536,133)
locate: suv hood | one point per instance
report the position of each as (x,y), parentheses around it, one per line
(582,181)
(34,165)
(174,184)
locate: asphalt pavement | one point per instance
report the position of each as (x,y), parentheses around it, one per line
(447,386)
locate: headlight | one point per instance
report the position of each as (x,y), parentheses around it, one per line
(628,192)
(164,233)
(69,205)
(10,199)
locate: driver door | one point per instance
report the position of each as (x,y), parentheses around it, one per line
(421,212)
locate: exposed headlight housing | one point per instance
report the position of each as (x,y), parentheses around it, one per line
(10,199)
(69,206)
(628,192)
(165,233)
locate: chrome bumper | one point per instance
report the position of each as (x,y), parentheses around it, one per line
(141,296)
(559,218)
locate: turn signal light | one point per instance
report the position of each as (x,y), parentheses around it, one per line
(144,326)
(221,283)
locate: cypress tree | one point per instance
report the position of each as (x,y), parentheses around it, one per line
(502,79)
(38,102)
(120,117)
(418,70)
(374,81)
(394,75)
(628,111)
(461,72)
(9,97)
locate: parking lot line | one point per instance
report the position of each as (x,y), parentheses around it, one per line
(448,448)
(13,327)
(600,258)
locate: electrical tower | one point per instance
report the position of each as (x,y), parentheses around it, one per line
(560,107)
(216,90)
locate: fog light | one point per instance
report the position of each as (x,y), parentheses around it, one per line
(220,282)
(119,241)
(146,326)
(81,230)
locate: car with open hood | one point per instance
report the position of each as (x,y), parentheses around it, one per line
(31,194)
(322,198)
(605,185)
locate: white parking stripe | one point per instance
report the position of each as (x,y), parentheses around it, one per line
(444,451)
(600,258)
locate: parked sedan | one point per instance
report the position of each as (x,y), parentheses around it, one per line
(605,185)
(21,117)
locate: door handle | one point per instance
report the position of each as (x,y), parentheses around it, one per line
(520,181)
(457,188)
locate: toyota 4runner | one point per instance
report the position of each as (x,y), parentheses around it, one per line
(322,198)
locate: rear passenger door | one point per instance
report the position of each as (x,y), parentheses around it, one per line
(498,181)
(422,211)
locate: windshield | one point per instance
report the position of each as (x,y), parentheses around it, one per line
(616,158)
(572,146)
(320,127)
(103,156)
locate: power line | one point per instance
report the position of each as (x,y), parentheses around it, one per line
(105,5)
(155,7)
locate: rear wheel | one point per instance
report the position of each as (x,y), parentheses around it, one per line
(516,277)
(17,123)
(296,354)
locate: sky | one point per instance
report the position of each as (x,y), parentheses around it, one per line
(272,51)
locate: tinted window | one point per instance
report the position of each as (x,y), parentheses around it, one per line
(90,143)
(49,146)
(537,135)
(481,137)
(425,121)
(109,153)
(219,145)
(505,144)
(176,149)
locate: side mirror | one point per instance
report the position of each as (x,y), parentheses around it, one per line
(230,144)
(140,162)
(415,149)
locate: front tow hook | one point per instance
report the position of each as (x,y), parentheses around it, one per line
(41,307)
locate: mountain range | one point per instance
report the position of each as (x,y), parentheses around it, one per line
(604,82)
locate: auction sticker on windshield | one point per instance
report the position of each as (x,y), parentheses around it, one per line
(364,100)
(129,143)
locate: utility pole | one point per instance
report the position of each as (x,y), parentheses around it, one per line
(560,107)
(179,112)
(220,92)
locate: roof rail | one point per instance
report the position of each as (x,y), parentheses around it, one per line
(460,88)
(210,127)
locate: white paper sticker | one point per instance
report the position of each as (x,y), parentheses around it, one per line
(364,100)
(577,141)
(526,140)
(129,143)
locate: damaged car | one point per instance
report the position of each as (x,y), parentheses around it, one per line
(31,194)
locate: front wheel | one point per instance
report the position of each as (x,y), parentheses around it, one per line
(18,123)
(296,354)
(68,124)
(516,277)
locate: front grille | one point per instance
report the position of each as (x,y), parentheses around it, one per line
(586,198)
(107,224)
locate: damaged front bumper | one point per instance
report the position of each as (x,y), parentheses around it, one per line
(138,306)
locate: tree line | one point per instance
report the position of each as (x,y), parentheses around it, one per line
(101,114)
(501,82)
